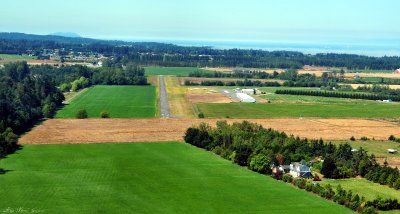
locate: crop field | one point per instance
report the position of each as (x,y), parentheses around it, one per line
(72,131)
(143,178)
(286,98)
(363,187)
(250,110)
(15,57)
(118,101)
(378,148)
(173,71)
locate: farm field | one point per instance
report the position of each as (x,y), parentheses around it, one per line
(378,148)
(118,101)
(173,71)
(250,110)
(286,98)
(143,178)
(73,131)
(179,105)
(15,57)
(363,187)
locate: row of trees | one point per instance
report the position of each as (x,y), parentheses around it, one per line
(24,99)
(147,54)
(351,95)
(259,148)
(237,73)
(246,82)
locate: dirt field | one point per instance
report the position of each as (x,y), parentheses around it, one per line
(72,131)
(358,85)
(384,75)
(207,97)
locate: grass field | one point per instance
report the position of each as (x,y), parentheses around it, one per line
(378,148)
(364,188)
(144,178)
(246,110)
(173,71)
(118,101)
(15,57)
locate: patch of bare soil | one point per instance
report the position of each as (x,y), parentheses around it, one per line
(208,98)
(72,131)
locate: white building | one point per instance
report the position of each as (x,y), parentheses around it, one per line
(245,98)
(249,91)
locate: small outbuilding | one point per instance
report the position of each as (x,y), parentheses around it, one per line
(392,151)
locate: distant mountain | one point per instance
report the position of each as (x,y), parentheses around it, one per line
(66,34)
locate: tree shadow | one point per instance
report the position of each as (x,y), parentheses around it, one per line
(4,171)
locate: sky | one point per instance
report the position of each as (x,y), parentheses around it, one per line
(219,20)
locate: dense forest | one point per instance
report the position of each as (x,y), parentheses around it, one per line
(147,54)
(28,94)
(24,99)
(259,149)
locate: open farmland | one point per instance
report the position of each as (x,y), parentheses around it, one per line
(118,101)
(172,71)
(246,110)
(363,187)
(62,131)
(15,57)
(143,178)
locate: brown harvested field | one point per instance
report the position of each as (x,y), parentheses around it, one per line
(355,86)
(208,97)
(71,131)
(383,75)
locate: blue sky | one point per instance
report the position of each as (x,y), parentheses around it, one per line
(236,20)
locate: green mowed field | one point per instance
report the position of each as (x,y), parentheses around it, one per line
(144,178)
(16,57)
(118,101)
(363,187)
(173,71)
(281,110)
(378,148)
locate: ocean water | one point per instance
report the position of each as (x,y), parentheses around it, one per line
(368,47)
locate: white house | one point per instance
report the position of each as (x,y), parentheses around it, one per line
(300,170)
(245,98)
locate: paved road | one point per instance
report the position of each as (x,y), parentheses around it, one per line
(164,107)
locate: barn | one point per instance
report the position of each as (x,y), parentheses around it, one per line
(245,98)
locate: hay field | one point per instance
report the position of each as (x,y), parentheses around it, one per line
(72,131)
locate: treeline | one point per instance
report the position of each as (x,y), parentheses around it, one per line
(76,77)
(293,79)
(320,93)
(241,74)
(168,55)
(24,99)
(259,148)
(245,82)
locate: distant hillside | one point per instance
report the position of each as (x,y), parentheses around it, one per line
(66,34)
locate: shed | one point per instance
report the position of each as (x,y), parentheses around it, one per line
(392,151)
